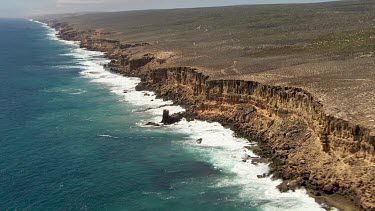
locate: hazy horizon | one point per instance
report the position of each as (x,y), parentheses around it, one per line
(25,8)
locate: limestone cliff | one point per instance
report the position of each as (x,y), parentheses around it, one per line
(305,146)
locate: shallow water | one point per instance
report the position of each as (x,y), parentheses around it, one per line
(72,139)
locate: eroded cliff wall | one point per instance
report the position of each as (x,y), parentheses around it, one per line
(307,147)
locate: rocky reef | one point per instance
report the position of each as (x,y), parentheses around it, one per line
(306,147)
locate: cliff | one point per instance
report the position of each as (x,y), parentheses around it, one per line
(306,147)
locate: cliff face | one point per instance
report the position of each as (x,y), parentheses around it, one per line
(306,147)
(335,135)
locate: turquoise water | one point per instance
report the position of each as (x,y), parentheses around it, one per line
(72,140)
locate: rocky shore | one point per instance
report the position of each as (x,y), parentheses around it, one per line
(306,147)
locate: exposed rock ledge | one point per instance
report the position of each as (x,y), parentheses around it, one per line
(306,147)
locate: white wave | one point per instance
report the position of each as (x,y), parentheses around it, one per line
(219,145)
(123,86)
(41,23)
(52,34)
(107,136)
(66,67)
(77,93)
(70,91)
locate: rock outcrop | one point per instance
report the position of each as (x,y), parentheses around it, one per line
(171,119)
(306,147)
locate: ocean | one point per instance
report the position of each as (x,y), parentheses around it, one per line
(74,137)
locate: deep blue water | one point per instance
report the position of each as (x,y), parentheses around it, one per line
(55,152)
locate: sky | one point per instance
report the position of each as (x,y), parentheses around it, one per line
(25,8)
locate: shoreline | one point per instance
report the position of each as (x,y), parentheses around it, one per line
(232,141)
(160,88)
(243,144)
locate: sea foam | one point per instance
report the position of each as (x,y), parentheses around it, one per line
(219,145)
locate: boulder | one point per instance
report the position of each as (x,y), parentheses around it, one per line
(153,124)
